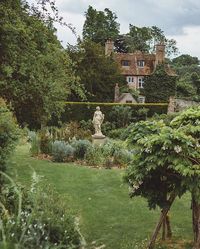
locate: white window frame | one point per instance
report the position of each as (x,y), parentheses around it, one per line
(140,63)
(130,79)
(141,82)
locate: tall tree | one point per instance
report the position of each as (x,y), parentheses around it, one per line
(35,71)
(100,25)
(97,72)
(185,60)
(144,39)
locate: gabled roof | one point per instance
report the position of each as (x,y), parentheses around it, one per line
(125,96)
(134,69)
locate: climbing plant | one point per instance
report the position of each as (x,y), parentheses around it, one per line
(159,86)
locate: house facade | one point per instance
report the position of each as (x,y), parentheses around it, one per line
(135,66)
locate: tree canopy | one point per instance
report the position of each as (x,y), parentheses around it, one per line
(144,39)
(166,163)
(100,25)
(185,60)
(36,72)
(97,72)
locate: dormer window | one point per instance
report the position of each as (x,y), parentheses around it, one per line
(140,63)
(125,63)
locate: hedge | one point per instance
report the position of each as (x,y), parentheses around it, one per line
(77,111)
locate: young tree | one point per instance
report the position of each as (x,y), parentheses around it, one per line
(166,164)
(100,25)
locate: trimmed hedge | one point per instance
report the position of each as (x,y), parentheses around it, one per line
(77,111)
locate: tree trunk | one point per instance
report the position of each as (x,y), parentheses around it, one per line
(163,229)
(169,230)
(196,223)
(161,220)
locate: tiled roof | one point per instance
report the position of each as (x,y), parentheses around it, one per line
(134,69)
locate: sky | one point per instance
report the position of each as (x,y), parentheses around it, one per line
(179,19)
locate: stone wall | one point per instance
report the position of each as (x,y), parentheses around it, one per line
(182,104)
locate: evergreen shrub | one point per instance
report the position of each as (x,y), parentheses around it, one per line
(9,133)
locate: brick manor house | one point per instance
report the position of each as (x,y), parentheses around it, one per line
(134,66)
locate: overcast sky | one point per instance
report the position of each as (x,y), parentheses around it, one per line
(179,19)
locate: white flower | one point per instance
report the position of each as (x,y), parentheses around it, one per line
(147,150)
(177,149)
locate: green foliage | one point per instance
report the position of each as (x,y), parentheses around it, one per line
(45,141)
(116,133)
(166,158)
(70,130)
(159,86)
(44,221)
(185,88)
(100,25)
(35,144)
(8,133)
(62,151)
(97,72)
(36,73)
(144,39)
(94,156)
(185,60)
(78,111)
(158,168)
(188,83)
(189,122)
(112,153)
(80,148)
(121,115)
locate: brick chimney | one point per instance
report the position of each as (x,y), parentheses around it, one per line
(160,53)
(116,93)
(109,47)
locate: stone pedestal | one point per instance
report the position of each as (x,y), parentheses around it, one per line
(98,139)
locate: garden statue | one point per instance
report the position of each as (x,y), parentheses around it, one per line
(97,122)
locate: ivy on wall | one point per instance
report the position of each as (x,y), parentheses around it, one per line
(159,86)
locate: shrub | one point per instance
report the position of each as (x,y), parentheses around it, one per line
(80,148)
(121,115)
(62,151)
(8,134)
(107,127)
(94,156)
(35,144)
(30,136)
(45,141)
(122,157)
(116,133)
(43,220)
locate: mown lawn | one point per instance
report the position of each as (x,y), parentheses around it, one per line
(107,215)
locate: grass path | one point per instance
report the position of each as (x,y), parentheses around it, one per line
(107,214)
